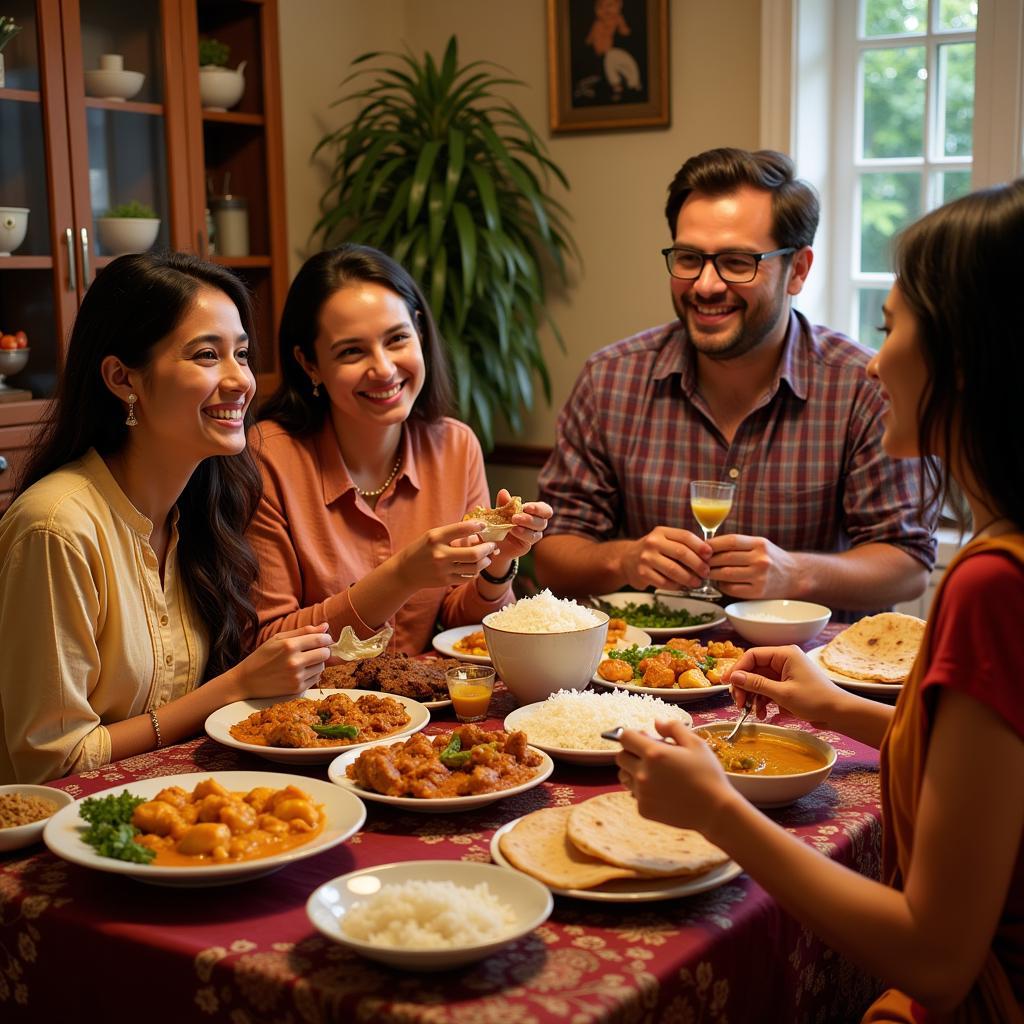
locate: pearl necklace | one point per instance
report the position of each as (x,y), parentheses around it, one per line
(384,486)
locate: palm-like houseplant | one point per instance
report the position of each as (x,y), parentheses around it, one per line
(444,174)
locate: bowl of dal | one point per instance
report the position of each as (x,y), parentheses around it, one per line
(770,765)
(543,644)
(777,622)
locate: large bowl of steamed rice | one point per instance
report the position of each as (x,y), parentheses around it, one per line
(429,915)
(543,643)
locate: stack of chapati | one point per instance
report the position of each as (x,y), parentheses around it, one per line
(602,839)
(879,648)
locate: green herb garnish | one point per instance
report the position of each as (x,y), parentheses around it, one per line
(656,615)
(111,832)
(336,732)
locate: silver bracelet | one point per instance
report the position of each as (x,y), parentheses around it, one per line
(156,729)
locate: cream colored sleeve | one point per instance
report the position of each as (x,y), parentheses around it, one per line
(51,606)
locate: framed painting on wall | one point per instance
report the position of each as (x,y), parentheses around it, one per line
(607,64)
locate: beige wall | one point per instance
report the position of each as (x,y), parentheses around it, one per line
(618,179)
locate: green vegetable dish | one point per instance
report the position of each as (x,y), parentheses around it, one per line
(111,832)
(656,615)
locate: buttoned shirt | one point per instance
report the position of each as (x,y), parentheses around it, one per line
(89,633)
(807,461)
(315,535)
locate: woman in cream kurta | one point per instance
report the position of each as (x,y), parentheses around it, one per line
(944,927)
(125,580)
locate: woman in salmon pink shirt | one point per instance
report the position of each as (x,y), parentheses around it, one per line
(366,479)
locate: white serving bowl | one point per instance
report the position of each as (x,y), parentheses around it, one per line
(24,835)
(531,903)
(13,225)
(778,790)
(121,235)
(108,84)
(535,665)
(777,622)
(221,88)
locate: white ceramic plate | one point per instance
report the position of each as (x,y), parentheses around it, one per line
(570,754)
(631,890)
(864,686)
(444,643)
(675,695)
(446,805)
(218,726)
(345,816)
(680,602)
(18,836)
(532,904)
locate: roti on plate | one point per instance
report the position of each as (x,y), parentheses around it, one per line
(879,648)
(610,828)
(539,846)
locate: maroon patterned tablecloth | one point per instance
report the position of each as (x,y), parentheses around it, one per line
(74,941)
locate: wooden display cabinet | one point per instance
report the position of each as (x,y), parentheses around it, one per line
(74,155)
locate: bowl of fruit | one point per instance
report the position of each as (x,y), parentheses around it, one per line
(13,354)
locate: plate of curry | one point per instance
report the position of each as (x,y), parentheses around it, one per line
(460,770)
(770,765)
(311,728)
(217,828)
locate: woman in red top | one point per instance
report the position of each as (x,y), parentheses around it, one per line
(946,930)
(366,480)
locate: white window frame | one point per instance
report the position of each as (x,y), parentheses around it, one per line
(808,70)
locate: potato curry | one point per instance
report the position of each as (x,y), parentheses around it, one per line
(681,664)
(212,825)
(465,762)
(335,721)
(763,755)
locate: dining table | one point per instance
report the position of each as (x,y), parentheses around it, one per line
(109,947)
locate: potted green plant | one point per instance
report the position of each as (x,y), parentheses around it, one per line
(128,227)
(8,30)
(443,173)
(220,87)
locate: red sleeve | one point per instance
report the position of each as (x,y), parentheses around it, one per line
(977,644)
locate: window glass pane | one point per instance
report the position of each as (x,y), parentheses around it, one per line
(958,15)
(895,17)
(869,316)
(956,98)
(889,201)
(894,81)
(955,184)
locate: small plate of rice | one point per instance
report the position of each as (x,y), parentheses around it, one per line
(568,725)
(429,915)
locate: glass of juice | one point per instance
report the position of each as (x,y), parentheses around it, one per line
(470,687)
(710,502)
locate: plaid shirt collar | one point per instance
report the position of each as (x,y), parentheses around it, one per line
(679,357)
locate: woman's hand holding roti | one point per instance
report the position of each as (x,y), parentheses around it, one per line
(680,783)
(788,677)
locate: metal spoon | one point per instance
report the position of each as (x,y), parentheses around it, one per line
(739,724)
(615,735)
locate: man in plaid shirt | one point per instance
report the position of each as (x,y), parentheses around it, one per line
(740,388)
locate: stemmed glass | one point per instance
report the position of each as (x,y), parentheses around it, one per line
(710,502)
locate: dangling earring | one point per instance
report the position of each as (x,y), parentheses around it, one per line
(316,389)
(132,421)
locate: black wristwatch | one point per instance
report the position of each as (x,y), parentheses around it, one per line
(499,581)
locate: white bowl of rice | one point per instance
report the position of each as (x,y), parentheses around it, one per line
(568,725)
(543,643)
(429,915)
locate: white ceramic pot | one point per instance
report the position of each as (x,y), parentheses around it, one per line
(120,235)
(13,225)
(221,88)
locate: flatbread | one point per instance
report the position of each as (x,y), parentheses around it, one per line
(498,521)
(610,828)
(879,648)
(539,846)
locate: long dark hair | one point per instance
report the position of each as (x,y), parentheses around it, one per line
(958,269)
(293,404)
(717,172)
(132,305)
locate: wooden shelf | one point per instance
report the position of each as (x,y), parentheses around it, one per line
(20,95)
(231,117)
(26,262)
(242,262)
(125,106)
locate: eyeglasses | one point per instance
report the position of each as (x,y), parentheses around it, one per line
(731,267)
